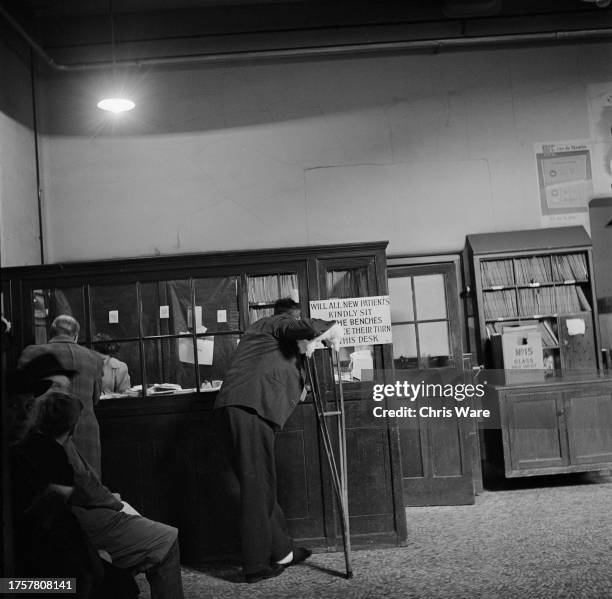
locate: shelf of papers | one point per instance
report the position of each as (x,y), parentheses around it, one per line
(528,302)
(544,281)
(264,290)
(534,270)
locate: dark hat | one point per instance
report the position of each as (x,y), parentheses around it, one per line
(29,378)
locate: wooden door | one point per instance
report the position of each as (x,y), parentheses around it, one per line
(436,453)
(374,484)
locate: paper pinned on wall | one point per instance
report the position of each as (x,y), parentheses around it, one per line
(164,311)
(113,316)
(221,315)
(575,326)
(198,318)
(206,348)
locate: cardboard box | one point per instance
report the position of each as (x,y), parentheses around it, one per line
(518,351)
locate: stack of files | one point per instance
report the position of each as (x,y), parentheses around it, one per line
(497,273)
(256,313)
(584,302)
(500,304)
(287,285)
(535,269)
(537,301)
(263,289)
(569,267)
(549,339)
(570,299)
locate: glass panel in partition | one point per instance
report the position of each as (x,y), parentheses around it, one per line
(169,367)
(166,307)
(47,304)
(264,290)
(216,303)
(257,312)
(114,311)
(214,355)
(347,282)
(356,361)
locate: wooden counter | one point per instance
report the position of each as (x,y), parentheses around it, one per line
(159,454)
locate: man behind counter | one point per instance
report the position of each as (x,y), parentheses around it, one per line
(263,385)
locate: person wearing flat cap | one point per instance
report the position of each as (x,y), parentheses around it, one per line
(263,385)
(85,383)
(25,384)
(49,542)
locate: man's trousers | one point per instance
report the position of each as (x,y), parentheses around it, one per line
(247,448)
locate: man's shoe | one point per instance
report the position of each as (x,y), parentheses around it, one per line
(271,572)
(300,554)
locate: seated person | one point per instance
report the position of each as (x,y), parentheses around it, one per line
(116,378)
(48,541)
(28,382)
(133,542)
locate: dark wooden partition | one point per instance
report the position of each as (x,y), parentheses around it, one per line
(158,450)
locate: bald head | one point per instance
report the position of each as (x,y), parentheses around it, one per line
(65,325)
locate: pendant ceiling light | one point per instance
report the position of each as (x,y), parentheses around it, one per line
(115,103)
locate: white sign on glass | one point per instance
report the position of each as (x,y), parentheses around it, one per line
(366,320)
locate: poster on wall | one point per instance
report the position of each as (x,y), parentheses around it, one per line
(565,183)
(599,98)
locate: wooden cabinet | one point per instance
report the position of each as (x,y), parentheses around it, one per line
(177,320)
(557,419)
(542,278)
(554,428)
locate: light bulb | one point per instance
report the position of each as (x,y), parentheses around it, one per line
(116,105)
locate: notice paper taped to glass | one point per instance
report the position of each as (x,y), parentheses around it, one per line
(575,326)
(206,348)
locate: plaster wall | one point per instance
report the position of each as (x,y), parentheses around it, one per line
(417,149)
(19,243)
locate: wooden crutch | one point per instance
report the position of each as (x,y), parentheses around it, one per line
(338,467)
